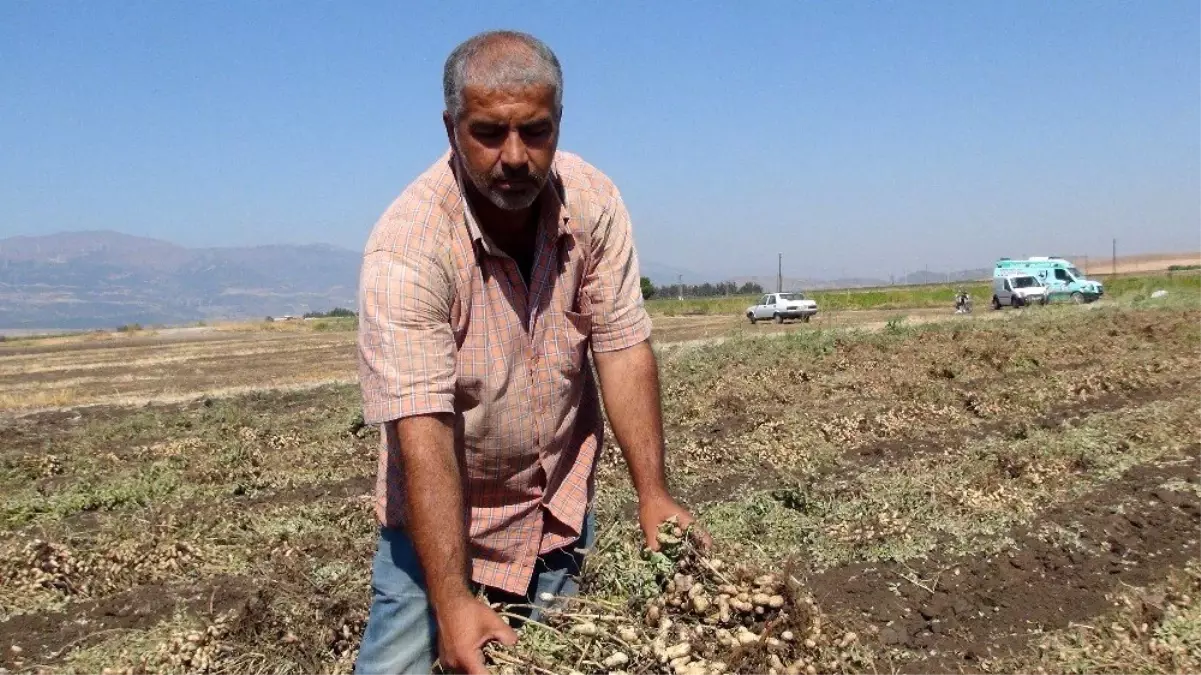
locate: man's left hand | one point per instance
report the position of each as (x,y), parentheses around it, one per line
(655,511)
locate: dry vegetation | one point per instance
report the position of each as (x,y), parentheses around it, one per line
(162,369)
(988,496)
(176,365)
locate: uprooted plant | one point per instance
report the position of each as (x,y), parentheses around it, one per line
(704,618)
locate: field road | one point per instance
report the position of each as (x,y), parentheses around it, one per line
(670,329)
(183,364)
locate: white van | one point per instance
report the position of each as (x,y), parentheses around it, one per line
(1017,290)
(1058,276)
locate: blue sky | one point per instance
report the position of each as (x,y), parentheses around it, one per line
(854,137)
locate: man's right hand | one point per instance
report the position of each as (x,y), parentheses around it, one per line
(464,627)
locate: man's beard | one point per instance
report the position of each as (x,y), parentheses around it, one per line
(508,201)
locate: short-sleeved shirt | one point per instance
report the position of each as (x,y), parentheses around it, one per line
(447,324)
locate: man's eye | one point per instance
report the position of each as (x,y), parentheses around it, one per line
(536,133)
(487,133)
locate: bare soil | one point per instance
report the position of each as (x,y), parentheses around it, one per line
(1063,446)
(44,637)
(958,611)
(174,367)
(1133,264)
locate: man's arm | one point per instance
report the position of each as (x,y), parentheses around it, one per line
(629,380)
(435,518)
(625,363)
(406,372)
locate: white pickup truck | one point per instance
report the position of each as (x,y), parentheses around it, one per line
(781,306)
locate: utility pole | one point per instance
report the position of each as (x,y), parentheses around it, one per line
(779,272)
(1115,255)
(680,286)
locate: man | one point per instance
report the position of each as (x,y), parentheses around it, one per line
(483,286)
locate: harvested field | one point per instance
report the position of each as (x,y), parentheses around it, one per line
(1018,491)
(1138,264)
(132,369)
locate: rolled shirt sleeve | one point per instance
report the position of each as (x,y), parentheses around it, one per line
(613,284)
(406,347)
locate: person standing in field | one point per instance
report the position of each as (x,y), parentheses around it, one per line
(483,288)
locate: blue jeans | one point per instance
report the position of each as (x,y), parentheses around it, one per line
(401,634)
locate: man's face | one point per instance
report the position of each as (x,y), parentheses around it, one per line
(506,141)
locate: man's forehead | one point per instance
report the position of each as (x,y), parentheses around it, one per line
(530,100)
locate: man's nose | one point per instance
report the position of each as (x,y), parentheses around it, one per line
(513,153)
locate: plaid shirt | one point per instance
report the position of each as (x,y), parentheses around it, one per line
(447,324)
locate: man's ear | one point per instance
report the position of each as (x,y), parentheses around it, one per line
(449,123)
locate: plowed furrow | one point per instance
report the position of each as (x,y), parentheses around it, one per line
(953,612)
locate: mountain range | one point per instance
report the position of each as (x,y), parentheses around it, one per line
(103,279)
(768,282)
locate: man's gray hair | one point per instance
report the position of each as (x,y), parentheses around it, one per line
(496,59)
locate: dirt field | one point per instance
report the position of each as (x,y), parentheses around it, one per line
(173,366)
(1014,491)
(1135,264)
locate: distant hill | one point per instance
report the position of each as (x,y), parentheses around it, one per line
(768,282)
(105,279)
(101,279)
(946,277)
(666,275)
(81,280)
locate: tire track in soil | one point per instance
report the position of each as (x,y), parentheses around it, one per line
(347,488)
(877,453)
(1131,531)
(32,432)
(764,476)
(48,636)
